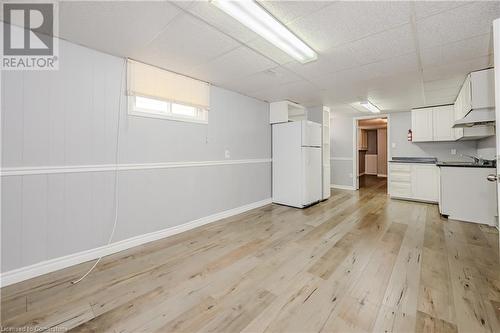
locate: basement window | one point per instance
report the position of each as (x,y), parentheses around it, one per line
(156,108)
(157,93)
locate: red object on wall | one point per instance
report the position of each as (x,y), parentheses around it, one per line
(410,135)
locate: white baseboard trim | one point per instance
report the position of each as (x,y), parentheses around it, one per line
(44,267)
(381,175)
(361,174)
(342,187)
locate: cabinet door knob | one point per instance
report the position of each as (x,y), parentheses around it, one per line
(492,178)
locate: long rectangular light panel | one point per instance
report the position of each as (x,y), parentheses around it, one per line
(370,107)
(256,18)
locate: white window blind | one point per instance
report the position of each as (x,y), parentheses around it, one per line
(149,81)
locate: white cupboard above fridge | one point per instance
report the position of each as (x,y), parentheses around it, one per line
(285,111)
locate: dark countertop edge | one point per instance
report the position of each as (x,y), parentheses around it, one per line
(413,162)
(444,164)
(464,166)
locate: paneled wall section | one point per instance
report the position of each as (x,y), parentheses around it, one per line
(70,117)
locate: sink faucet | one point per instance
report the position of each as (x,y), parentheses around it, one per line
(477,160)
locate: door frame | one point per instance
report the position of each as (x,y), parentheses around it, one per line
(355,162)
(496,48)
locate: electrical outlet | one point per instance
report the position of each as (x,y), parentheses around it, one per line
(453,152)
(227,154)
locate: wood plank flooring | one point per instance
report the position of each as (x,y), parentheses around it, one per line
(358,262)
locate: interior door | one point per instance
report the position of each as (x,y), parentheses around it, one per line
(496,45)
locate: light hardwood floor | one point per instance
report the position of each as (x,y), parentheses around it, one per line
(359,262)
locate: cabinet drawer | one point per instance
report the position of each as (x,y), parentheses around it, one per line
(400,167)
(400,177)
(401,190)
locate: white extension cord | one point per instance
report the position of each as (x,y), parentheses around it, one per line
(115,191)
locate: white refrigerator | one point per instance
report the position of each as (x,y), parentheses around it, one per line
(297,163)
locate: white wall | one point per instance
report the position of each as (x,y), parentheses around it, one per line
(69,118)
(399,126)
(486,148)
(341,136)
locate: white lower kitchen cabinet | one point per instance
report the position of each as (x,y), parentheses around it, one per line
(414,181)
(466,195)
(425,182)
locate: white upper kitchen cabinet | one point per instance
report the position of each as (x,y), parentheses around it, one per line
(482,89)
(463,101)
(442,122)
(477,92)
(421,125)
(459,132)
(434,124)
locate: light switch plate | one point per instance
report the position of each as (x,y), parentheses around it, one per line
(453,152)
(227,153)
(393,145)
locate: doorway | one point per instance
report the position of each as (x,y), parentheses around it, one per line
(371,153)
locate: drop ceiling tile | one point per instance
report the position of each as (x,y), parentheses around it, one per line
(383,45)
(335,60)
(450,91)
(427,8)
(231,66)
(448,71)
(457,51)
(287,11)
(184,4)
(348,21)
(185,44)
(460,23)
(222,21)
(115,27)
(451,82)
(435,98)
(301,91)
(264,80)
(375,73)
(342,109)
(397,92)
(269,50)
(341,58)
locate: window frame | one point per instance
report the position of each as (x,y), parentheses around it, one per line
(201,114)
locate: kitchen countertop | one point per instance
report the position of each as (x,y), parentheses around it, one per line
(463,165)
(422,160)
(433,160)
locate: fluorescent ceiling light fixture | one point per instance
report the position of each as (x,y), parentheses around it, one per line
(370,107)
(256,18)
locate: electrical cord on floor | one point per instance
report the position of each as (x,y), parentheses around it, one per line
(115,190)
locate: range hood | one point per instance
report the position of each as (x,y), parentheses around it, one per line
(476,117)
